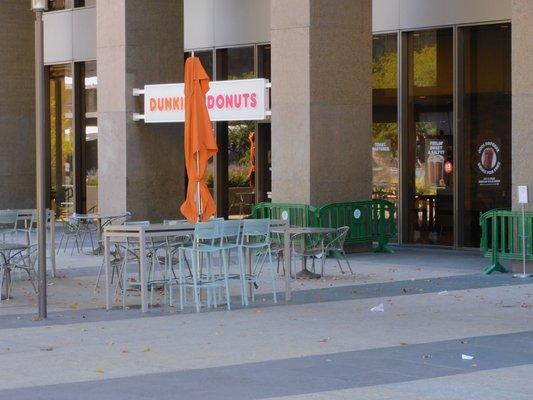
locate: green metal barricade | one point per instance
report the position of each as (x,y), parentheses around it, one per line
(501,237)
(296,214)
(369,221)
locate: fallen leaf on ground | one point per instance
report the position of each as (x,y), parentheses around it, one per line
(73,306)
(404,344)
(147,350)
(324,340)
(47,349)
(99,370)
(407,290)
(125,351)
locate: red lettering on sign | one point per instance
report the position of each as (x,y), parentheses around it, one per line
(160,104)
(153,104)
(253,100)
(210,102)
(220,101)
(246,96)
(238,101)
(229,101)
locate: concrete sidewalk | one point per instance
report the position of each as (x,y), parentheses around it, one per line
(325,344)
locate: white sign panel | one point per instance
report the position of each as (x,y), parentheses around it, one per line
(522,195)
(236,100)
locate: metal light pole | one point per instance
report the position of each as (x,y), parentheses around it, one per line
(38,7)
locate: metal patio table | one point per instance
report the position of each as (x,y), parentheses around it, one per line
(102,220)
(140,233)
(6,249)
(28,216)
(288,232)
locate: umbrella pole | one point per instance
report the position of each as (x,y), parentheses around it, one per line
(198,198)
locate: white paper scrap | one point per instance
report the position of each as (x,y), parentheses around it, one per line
(378,308)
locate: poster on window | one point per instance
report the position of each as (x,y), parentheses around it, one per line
(488,158)
(436,161)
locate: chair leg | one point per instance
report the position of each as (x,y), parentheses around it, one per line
(347,262)
(2,272)
(340,266)
(195,281)
(273,276)
(243,277)
(124,283)
(226,281)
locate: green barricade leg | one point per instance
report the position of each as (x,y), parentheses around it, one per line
(495,265)
(383,246)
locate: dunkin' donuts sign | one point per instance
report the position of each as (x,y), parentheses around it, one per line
(236,100)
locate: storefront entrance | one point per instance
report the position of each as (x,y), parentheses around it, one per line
(73,137)
(442,129)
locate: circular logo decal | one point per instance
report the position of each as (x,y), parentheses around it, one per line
(448,167)
(489,158)
(357,213)
(285,215)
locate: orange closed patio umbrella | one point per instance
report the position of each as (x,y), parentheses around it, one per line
(200,143)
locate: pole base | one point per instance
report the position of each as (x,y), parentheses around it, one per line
(523,276)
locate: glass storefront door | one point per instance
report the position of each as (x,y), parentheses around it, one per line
(237,140)
(61,140)
(385,157)
(430,137)
(486,125)
(73,138)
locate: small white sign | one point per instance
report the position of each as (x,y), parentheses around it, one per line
(284,215)
(522,195)
(234,100)
(357,213)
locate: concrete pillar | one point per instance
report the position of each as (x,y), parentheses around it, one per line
(17,105)
(522,119)
(321,100)
(141,167)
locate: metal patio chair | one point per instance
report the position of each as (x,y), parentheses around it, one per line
(334,245)
(255,238)
(209,240)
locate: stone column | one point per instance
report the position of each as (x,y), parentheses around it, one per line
(522,119)
(17,105)
(321,100)
(141,167)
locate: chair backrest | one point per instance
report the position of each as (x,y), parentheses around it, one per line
(8,219)
(231,231)
(208,231)
(338,238)
(256,230)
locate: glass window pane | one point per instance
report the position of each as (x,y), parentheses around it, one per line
(385,117)
(238,63)
(206,58)
(61,140)
(486,128)
(430,136)
(90,147)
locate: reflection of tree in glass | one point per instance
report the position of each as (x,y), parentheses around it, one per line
(239,152)
(425,66)
(384,70)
